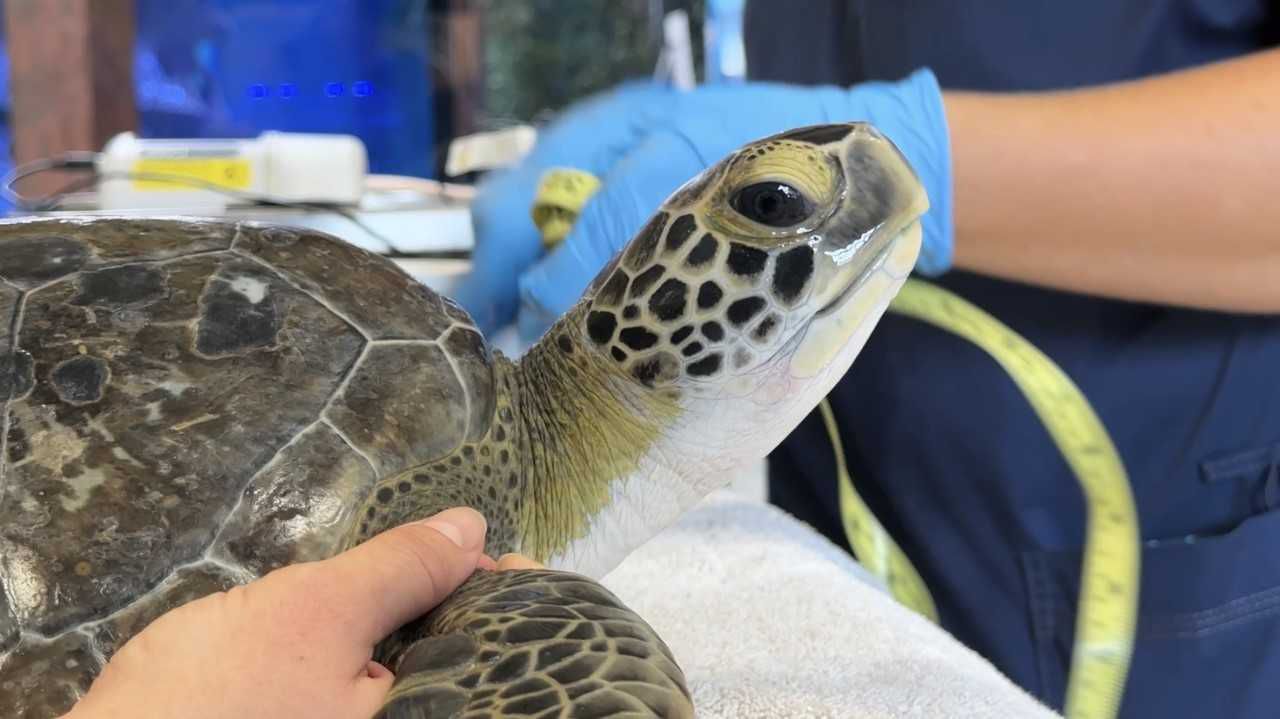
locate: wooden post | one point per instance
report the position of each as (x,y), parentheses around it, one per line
(71,77)
(464,63)
(457,71)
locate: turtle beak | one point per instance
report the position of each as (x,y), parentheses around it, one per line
(883,198)
(863,254)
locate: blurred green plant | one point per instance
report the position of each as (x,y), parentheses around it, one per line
(542,55)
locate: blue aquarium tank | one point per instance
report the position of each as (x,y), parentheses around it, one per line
(234,68)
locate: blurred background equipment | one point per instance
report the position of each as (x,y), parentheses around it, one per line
(337,115)
(133,173)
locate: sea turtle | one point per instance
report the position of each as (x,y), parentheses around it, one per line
(190,404)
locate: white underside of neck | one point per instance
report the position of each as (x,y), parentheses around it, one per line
(639,507)
(732,426)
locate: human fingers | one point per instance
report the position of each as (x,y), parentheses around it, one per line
(402,573)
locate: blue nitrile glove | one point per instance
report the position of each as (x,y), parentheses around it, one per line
(645,141)
(591,136)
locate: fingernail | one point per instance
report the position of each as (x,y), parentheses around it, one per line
(518,561)
(463,526)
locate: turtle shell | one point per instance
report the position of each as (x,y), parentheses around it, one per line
(185,405)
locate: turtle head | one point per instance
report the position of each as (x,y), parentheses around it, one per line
(710,336)
(752,289)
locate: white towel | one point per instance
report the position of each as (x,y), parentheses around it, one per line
(769,619)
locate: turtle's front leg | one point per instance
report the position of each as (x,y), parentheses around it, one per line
(532,642)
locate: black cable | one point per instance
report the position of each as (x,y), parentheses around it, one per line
(65,161)
(88,160)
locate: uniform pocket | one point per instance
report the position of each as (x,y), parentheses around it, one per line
(1250,477)
(1208,641)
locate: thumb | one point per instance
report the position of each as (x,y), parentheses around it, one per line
(403,573)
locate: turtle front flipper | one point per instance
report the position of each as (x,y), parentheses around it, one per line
(532,643)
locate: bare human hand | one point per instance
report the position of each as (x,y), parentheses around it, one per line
(300,640)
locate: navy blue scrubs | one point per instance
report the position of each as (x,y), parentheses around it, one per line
(950,456)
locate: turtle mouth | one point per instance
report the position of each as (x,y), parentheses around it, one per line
(886,243)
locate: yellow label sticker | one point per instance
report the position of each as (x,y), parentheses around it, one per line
(190,173)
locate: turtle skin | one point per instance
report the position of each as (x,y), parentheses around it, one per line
(186,405)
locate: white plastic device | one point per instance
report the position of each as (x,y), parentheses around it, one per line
(279,166)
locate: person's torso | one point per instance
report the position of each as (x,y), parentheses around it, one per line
(946,449)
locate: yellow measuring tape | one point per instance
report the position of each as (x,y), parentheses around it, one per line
(1108,602)
(561,194)
(1107,612)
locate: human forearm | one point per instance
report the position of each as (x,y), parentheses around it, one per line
(1157,190)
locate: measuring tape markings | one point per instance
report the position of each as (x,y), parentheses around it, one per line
(871,542)
(1110,571)
(1109,586)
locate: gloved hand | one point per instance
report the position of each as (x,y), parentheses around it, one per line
(644,142)
(590,136)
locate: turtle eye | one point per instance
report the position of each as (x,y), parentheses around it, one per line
(774,204)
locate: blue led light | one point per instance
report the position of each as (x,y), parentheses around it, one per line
(258,91)
(362,88)
(333,89)
(288,90)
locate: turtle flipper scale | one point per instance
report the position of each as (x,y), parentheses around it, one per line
(532,643)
